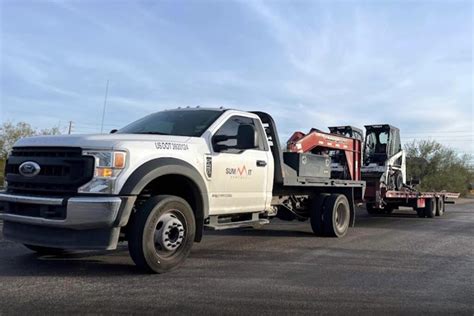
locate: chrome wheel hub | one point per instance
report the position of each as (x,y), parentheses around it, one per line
(169,233)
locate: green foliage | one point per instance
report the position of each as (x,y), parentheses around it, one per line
(438,167)
(10,133)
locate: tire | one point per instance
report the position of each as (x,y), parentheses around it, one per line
(430,208)
(336,215)
(45,250)
(149,242)
(398,181)
(316,212)
(439,206)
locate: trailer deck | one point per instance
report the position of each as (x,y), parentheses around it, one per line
(420,195)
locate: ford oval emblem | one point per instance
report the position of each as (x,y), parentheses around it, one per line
(29,169)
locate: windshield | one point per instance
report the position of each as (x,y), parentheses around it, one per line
(375,144)
(177,122)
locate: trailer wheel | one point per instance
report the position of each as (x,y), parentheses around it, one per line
(439,206)
(161,233)
(316,214)
(430,208)
(336,216)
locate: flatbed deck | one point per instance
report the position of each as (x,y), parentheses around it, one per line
(318,182)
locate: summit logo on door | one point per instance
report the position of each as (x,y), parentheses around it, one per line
(239,171)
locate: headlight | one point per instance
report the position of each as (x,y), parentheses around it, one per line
(107,166)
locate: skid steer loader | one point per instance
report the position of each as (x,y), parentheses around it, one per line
(384,158)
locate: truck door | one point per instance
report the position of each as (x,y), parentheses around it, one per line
(239,167)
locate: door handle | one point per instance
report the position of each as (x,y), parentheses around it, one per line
(261,163)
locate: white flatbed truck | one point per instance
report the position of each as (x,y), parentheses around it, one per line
(158,182)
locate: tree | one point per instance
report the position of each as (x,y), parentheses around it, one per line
(10,133)
(438,167)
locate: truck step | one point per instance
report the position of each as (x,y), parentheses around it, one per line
(219,223)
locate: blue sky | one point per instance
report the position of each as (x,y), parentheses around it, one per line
(309,63)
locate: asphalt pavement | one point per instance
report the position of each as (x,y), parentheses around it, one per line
(398,264)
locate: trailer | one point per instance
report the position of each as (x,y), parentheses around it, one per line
(384,170)
(426,204)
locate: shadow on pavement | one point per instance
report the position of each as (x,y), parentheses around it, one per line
(91,263)
(260,232)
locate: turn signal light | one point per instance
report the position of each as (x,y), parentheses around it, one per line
(119,160)
(104,172)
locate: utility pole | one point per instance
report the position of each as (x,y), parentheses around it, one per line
(69,130)
(103,110)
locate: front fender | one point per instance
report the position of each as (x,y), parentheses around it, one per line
(156,168)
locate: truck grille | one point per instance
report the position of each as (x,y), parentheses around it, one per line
(63,170)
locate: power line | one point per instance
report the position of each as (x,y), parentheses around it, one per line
(438,132)
(439,137)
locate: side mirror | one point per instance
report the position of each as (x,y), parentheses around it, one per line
(221,138)
(246,138)
(113,131)
(217,139)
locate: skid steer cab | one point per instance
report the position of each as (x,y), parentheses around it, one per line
(384,159)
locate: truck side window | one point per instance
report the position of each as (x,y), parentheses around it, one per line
(227,138)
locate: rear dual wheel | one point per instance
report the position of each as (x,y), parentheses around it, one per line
(330,215)
(316,216)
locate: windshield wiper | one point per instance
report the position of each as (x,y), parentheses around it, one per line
(152,133)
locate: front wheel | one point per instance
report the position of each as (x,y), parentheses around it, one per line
(161,233)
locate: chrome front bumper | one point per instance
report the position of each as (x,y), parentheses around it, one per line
(86,222)
(81,212)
